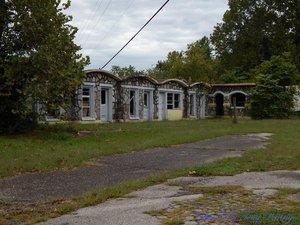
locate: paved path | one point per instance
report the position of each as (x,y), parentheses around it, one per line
(117,168)
(131,209)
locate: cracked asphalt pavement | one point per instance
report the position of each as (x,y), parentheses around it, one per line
(114,169)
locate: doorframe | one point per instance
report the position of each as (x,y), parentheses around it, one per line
(165,116)
(202,105)
(109,99)
(150,104)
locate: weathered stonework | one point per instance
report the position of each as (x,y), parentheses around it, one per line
(205,102)
(227,90)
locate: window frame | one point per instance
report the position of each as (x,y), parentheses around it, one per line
(133,112)
(238,100)
(173,101)
(90,97)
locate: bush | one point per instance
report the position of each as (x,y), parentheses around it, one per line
(16,123)
(273,97)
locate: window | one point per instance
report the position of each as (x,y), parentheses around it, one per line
(173,101)
(103,97)
(53,113)
(132,104)
(86,101)
(145,99)
(170,101)
(240,99)
(192,105)
(176,101)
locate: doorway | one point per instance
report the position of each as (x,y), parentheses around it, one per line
(105,110)
(162,106)
(147,107)
(219,104)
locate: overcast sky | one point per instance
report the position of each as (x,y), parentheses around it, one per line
(106,25)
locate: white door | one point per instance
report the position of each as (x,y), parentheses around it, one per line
(146,106)
(104,111)
(202,107)
(162,106)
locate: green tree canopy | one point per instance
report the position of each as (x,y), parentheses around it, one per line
(39,61)
(273,97)
(195,63)
(125,71)
(253,31)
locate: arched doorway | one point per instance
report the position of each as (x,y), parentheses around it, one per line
(219,99)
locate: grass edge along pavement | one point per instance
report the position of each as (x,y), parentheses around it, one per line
(282,153)
(42,211)
(64,146)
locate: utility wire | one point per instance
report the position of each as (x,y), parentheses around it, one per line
(115,23)
(136,33)
(86,25)
(98,21)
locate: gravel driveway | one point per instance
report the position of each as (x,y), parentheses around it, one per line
(114,169)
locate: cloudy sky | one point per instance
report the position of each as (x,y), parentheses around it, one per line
(106,25)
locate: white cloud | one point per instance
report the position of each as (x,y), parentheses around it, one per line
(106,25)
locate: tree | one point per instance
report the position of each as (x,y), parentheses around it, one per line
(125,71)
(235,75)
(195,63)
(253,31)
(273,97)
(198,61)
(172,67)
(39,60)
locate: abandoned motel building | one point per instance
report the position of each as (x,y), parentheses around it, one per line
(104,97)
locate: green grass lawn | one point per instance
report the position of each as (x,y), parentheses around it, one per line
(58,146)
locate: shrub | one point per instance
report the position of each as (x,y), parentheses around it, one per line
(273,97)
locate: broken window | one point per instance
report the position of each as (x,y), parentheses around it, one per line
(173,101)
(86,101)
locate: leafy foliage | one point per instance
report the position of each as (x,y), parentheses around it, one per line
(39,62)
(235,75)
(273,96)
(194,64)
(125,71)
(254,31)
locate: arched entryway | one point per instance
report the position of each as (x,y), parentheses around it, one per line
(219,99)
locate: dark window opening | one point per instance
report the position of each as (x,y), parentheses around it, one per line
(86,91)
(132,104)
(240,99)
(176,101)
(103,97)
(170,101)
(145,99)
(173,101)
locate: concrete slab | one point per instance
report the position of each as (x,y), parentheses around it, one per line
(129,210)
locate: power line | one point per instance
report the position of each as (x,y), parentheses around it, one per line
(99,19)
(118,19)
(87,23)
(136,33)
